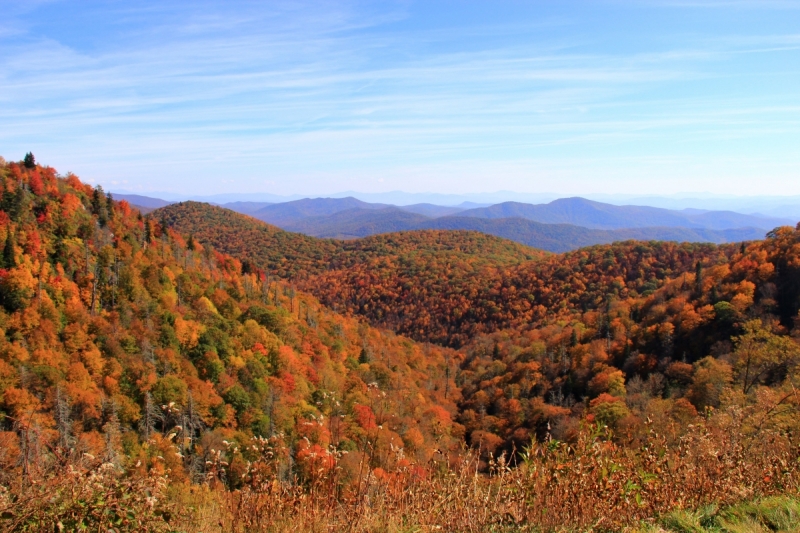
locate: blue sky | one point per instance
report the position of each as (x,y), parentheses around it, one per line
(647,97)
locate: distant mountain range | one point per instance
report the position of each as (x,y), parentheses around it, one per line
(565,237)
(781,206)
(557,226)
(145,204)
(596,215)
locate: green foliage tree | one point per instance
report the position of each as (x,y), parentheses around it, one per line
(237,397)
(711,376)
(170,389)
(761,356)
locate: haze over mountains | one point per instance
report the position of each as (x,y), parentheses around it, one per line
(772,206)
(560,225)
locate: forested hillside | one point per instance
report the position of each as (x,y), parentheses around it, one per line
(559,338)
(144,373)
(347,223)
(120,339)
(280,252)
(292,255)
(626,356)
(448,286)
(444,306)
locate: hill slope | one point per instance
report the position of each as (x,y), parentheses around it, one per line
(294,255)
(439,286)
(431,210)
(121,340)
(355,223)
(288,213)
(283,253)
(358,222)
(625,347)
(566,237)
(627,326)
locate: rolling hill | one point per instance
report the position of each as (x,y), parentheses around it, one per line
(561,225)
(136,336)
(246,208)
(295,256)
(145,204)
(358,222)
(566,237)
(288,213)
(444,286)
(281,252)
(631,318)
(597,215)
(431,210)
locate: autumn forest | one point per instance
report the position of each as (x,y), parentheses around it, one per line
(195,369)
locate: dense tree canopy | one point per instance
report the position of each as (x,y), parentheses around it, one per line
(123,335)
(120,336)
(617,333)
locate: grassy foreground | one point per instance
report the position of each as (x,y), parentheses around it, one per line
(711,478)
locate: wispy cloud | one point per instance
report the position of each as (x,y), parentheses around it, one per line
(723,4)
(328,98)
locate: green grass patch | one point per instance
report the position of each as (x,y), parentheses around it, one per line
(775,514)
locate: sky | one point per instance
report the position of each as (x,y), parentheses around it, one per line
(457,97)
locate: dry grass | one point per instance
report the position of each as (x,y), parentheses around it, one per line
(591,485)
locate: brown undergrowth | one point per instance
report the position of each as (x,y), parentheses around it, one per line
(594,484)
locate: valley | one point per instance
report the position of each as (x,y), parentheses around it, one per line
(219,353)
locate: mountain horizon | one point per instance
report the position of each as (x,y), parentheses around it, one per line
(767,206)
(402,266)
(558,226)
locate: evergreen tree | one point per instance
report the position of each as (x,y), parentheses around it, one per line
(9,258)
(15,203)
(148,231)
(110,206)
(698,276)
(99,205)
(364,357)
(163,226)
(29,161)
